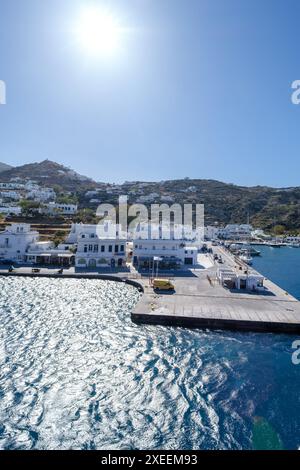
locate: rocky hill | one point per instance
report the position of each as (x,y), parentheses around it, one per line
(4,167)
(227,203)
(49,173)
(264,207)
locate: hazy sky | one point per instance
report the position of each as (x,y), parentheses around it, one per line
(198,88)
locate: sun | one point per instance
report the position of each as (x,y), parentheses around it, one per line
(98,32)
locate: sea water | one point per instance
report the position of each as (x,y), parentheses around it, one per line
(76,373)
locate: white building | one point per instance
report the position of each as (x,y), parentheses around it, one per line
(98,247)
(171,253)
(259,233)
(152,242)
(148,198)
(30,185)
(41,194)
(166,198)
(65,209)
(10,210)
(45,252)
(10,195)
(106,230)
(240,280)
(15,240)
(92,193)
(236,231)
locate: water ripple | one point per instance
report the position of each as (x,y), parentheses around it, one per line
(76,373)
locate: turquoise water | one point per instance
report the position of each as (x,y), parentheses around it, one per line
(77,374)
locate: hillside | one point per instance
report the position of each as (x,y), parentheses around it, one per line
(49,173)
(224,203)
(4,167)
(227,203)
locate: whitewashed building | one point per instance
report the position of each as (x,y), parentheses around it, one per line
(152,243)
(11,185)
(98,246)
(10,195)
(241,280)
(148,198)
(41,194)
(45,252)
(236,232)
(65,209)
(8,209)
(15,240)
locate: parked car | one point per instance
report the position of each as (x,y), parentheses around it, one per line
(162,284)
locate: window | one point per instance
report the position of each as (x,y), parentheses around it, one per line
(110,248)
(102,248)
(122,248)
(90,247)
(116,248)
(96,248)
(85,249)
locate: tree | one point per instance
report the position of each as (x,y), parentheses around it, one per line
(86,216)
(279,229)
(29,207)
(59,237)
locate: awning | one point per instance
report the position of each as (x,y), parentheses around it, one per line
(49,255)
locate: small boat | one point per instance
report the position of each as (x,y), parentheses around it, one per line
(294,245)
(251,251)
(246,258)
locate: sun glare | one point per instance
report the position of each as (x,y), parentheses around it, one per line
(98,32)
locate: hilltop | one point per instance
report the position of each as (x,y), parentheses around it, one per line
(4,167)
(49,173)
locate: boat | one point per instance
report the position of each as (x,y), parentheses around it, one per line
(246,258)
(294,245)
(250,250)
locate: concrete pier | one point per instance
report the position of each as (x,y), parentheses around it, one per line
(199,301)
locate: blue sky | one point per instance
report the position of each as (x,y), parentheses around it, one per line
(201,88)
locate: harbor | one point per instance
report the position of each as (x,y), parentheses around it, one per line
(200,301)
